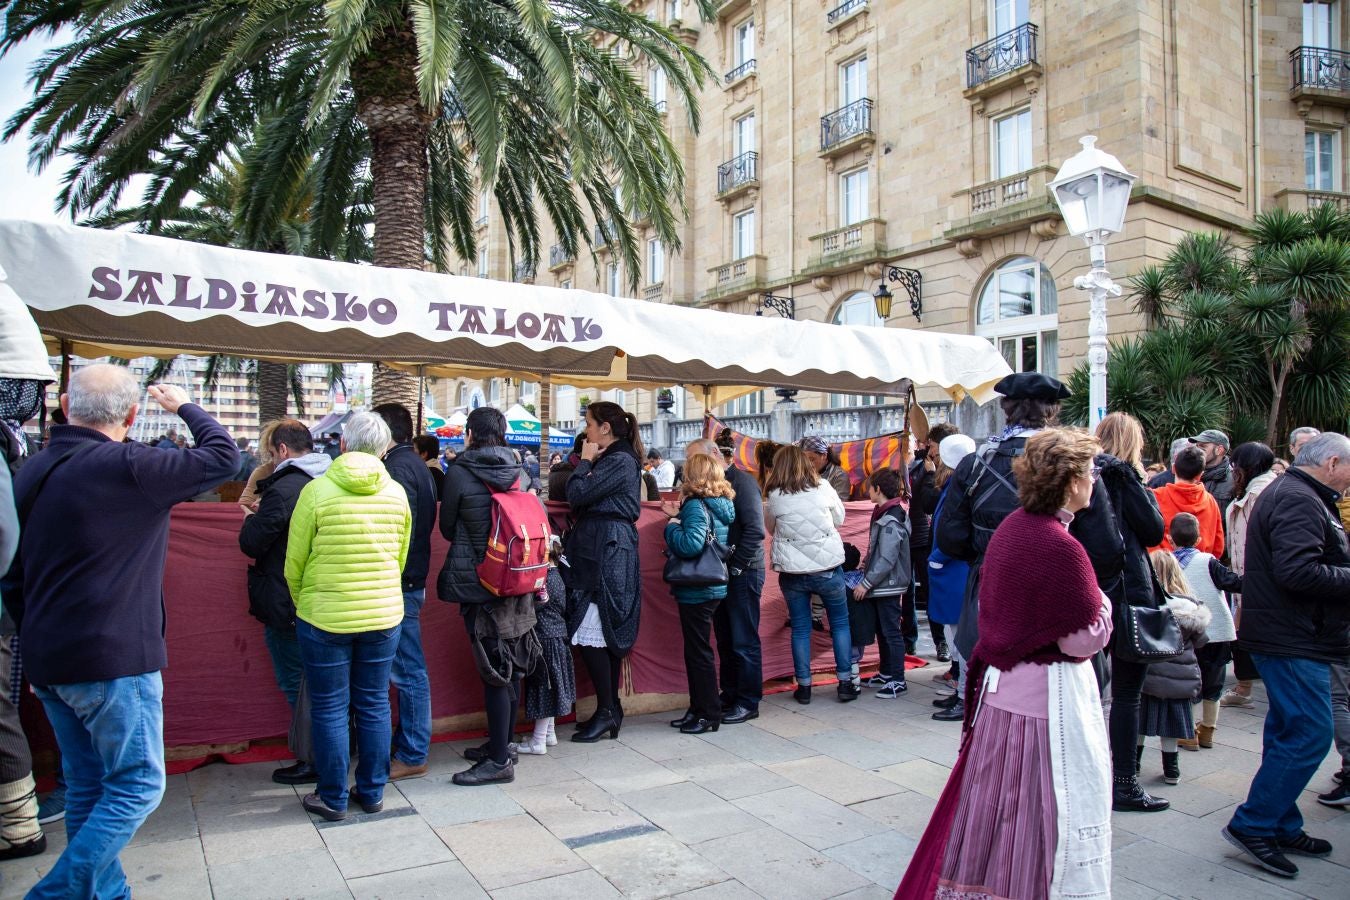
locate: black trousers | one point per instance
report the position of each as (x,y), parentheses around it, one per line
(736,624)
(1213,659)
(918,591)
(890,640)
(1127,682)
(696,626)
(1243,667)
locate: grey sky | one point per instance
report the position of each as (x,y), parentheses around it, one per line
(24,195)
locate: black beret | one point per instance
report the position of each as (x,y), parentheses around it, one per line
(1032,386)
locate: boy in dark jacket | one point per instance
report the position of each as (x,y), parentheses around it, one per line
(263,537)
(887,573)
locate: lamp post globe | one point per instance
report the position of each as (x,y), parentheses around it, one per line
(1092,190)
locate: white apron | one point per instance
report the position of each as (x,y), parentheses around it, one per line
(1080,772)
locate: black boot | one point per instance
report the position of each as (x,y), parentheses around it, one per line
(1128,796)
(1138,758)
(684,719)
(802,694)
(300,773)
(604,722)
(1171,767)
(947,702)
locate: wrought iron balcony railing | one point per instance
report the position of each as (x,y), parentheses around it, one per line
(847,8)
(842,124)
(736,172)
(660,107)
(1321,68)
(557,256)
(740,71)
(605,233)
(524,272)
(1006,53)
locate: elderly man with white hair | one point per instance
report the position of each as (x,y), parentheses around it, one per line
(345,553)
(1296,626)
(87,593)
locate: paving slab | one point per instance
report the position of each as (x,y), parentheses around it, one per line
(576,809)
(167,870)
(835,780)
(810,818)
(859,752)
(774,865)
(433,882)
(621,770)
(1170,871)
(656,740)
(534,852)
(377,846)
(757,744)
(920,775)
(725,890)
(727,775)
(173,820)
(881,858)
(311,874)
(690,813)
(251,830)
(906,812)
(222,784)
(651,865)
(440,802)
(787,723)
(587,884)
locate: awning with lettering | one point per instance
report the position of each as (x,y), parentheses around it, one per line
(125,294)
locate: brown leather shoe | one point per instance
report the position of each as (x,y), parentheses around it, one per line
(399,770)
(1191,744)
(1204,735)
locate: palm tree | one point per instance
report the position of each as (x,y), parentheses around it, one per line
(540,99)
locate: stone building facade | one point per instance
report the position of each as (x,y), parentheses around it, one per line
(845,137)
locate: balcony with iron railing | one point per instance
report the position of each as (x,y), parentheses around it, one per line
(1319,75)
(661,107)
(524,273)
(845,11)
(848,246)
(737,175)
(744,70)
(846,128)
(605,234)
(558,257)
(1011,56)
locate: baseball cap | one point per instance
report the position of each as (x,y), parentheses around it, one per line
(1211,436)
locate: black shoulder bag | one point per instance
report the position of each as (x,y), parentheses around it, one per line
(708,569)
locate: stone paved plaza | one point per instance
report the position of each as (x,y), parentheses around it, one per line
(825,800)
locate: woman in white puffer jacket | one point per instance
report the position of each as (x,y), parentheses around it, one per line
(803,514)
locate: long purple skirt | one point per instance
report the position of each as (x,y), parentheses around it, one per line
(1003,837)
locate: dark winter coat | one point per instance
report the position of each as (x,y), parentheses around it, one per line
(264,535)
(1178,678)
(466,516)
(1296,586)
(924,491)
(1133,512)
(1218,480)
(409,469)
(602,545)
(747,529)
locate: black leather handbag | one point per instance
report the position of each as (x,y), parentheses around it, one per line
(1146,634)
(708,569)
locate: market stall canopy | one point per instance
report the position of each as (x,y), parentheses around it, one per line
(125,294)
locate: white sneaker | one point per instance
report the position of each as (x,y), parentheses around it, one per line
(552,739)
(532,745)
(1233,698)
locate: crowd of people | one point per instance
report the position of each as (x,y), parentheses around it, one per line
(1049,676)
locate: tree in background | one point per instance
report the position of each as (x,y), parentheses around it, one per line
(1254,340)
(435,99)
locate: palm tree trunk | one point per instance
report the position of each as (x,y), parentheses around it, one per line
(274,389)
(385,82)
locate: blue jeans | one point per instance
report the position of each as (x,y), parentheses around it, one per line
(1296,740)
(342,671)
(797,590)
(111,735)
(284,648)
(412,737)
(736,624)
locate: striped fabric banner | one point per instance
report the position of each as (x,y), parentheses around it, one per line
(742,445)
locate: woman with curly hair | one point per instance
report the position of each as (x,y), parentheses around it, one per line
(1027,810)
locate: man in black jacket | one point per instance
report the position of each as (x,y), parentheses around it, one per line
(1218,477)
(1296,625)
(736,621)
(412,737)
(263,537)
(924,496)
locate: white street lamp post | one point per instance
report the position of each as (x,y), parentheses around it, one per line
(1092,189)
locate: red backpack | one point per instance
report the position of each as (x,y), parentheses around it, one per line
(516,560)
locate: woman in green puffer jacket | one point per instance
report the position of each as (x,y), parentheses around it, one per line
(344,565)
(707,502)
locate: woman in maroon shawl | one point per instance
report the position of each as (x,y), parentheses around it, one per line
(1026,812)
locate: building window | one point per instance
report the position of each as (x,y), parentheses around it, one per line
(1018,311)
(743,49)
(566,284)
(612,279)
(1322,161)
(852,81)
(1321,24)
(743,134)
(483,263)
(857,309)
(674,10)
(1012,144)
(484,205)
(656,261)
(749,405)
(656,86)
(1005,15)
(853,197)
(743,235)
